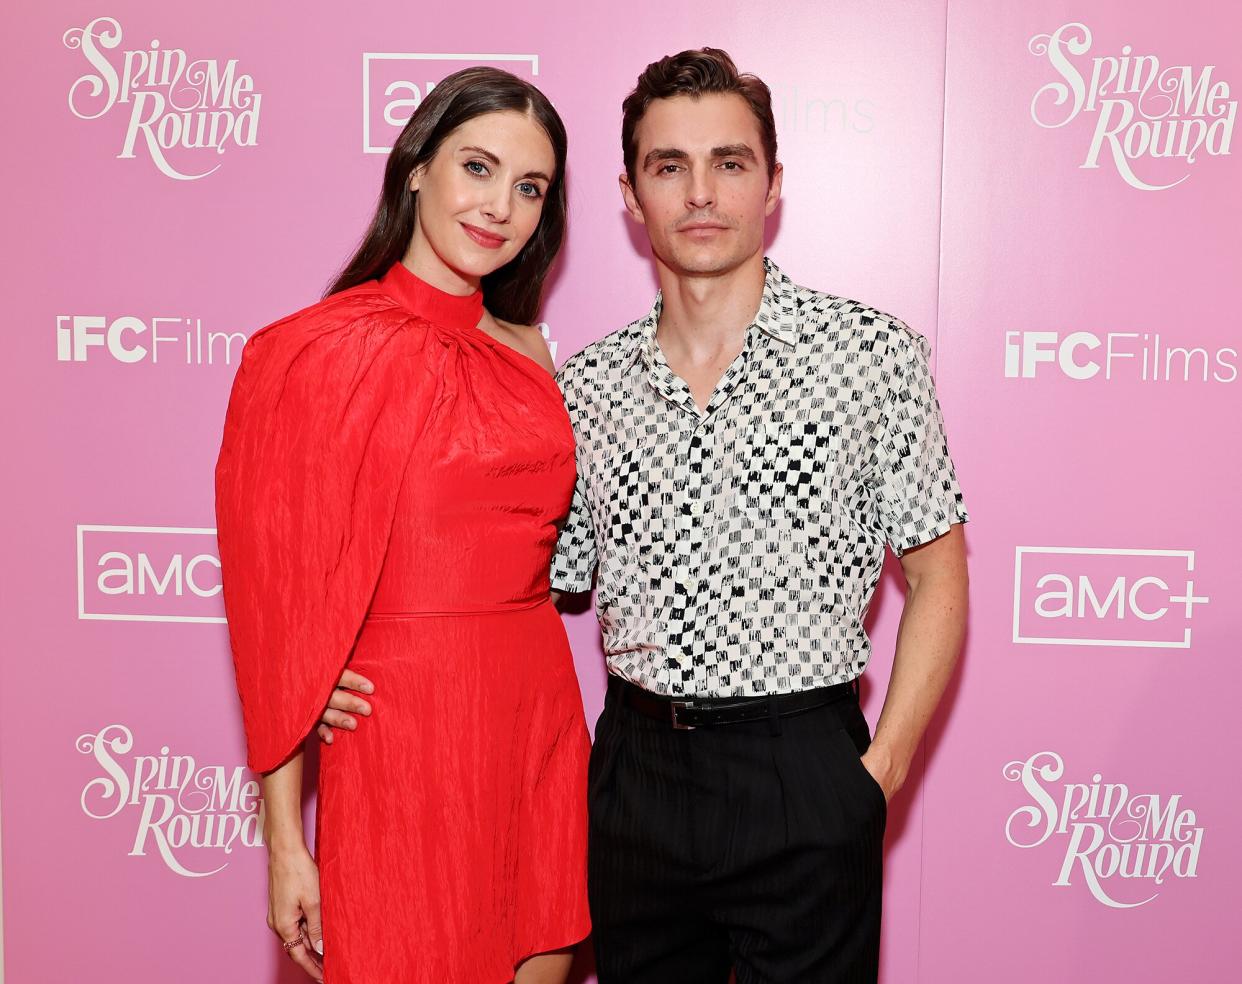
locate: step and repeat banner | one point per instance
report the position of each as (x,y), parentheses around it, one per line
(1049,191)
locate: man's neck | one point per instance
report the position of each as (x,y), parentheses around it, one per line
(702,315)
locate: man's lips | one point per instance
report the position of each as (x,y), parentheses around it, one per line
(703,227)
(483,237)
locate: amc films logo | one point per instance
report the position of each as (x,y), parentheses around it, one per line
(148,574)
(1089,596)
(394,84)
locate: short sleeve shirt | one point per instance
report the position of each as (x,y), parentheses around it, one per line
(738,546)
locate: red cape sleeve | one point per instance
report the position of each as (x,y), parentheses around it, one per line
(325,411)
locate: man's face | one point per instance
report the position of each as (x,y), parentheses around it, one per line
(701,182)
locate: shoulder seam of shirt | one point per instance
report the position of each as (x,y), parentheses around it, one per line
(833,308)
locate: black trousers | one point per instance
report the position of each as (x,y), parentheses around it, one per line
(754,846)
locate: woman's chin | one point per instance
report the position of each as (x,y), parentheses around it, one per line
(473,264)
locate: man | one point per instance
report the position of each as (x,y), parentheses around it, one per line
(745,451)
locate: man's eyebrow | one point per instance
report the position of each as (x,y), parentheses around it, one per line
(674,154)
(664,154)
(483,152)
(734,150)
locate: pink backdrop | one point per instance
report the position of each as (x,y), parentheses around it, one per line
(993,173)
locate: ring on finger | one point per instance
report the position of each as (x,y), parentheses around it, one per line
(290,944)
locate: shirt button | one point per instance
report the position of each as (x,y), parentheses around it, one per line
(696,508)
(687,582)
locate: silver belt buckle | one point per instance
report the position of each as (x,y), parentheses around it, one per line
(684,705)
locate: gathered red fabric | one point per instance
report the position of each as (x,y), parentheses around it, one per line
(312,458)
(388,491)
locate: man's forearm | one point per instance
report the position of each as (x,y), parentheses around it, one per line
(929,638)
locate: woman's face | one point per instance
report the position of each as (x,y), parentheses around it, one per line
(481,196)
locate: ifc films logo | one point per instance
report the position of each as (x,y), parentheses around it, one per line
(148,340)
(1129,356)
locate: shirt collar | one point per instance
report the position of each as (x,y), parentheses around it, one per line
(777,315)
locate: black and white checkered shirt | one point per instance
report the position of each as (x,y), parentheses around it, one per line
(738,547)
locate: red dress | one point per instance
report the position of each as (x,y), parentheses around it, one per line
(387,496)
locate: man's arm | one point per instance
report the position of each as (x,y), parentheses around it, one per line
(929,638)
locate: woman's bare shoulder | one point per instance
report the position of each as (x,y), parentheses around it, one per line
(528,340)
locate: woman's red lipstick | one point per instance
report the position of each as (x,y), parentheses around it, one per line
(482,237)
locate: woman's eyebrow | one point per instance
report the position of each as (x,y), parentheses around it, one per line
(484,152)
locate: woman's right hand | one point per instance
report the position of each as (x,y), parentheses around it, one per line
(293,907)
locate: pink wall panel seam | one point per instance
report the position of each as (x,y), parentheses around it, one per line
(944,117)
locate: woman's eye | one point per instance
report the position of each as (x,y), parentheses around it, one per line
(529,190)
(476,167)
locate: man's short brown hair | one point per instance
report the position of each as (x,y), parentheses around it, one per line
(693,73)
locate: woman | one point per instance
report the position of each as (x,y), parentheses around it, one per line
(395,461)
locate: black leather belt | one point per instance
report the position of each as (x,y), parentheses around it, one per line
(688,713)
